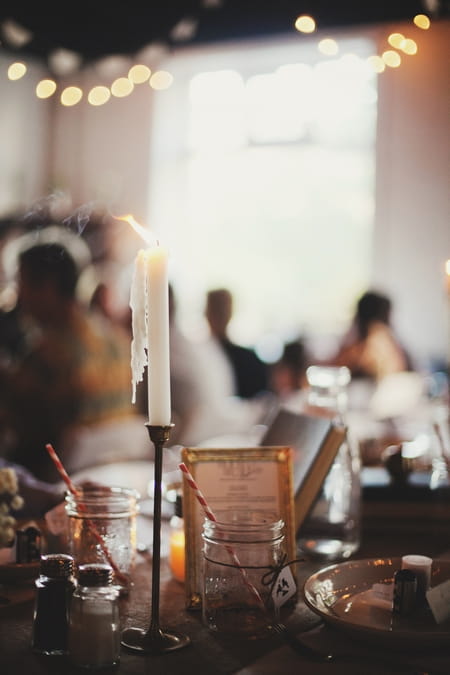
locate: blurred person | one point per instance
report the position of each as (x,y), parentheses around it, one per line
(371,349)
(11,338)
(248,373)
(74,370)
(204,405)
(288,374)
(38,496)
(188,394)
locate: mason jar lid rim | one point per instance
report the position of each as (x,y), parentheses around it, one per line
(96,491)
(244,523)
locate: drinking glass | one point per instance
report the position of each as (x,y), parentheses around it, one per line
(237,555)
(332,530)
(102,528)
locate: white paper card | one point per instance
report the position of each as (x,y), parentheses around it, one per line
(381,595)
(284,587)
(439,600)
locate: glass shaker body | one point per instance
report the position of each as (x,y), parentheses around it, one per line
(94,630)
(54,589)
(332,529)
(108,512)
(237,555)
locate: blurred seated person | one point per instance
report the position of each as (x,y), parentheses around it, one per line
(288,374)
(204,404)
(248,372)
(186,388)
(74,373)
(370,349)
(38,496)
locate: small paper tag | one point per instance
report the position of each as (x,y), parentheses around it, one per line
(284,587)
(439,600)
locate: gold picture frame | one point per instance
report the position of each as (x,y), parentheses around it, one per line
(235,478)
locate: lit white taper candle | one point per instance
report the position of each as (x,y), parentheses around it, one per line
(158,370)
(149,302)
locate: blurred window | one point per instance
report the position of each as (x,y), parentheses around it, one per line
(263,180)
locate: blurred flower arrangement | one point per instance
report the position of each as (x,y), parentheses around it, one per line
(10,500)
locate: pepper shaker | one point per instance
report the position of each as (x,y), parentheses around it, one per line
(405,592)
(54,589)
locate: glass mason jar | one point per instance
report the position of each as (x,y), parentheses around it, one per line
(94,629)
(237,554)
(102,528)
(332,529)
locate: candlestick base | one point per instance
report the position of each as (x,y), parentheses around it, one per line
(155,640)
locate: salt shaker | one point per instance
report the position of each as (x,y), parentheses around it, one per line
(94,630)
(54,588)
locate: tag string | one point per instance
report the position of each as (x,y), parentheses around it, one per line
(270,577)
(273,571)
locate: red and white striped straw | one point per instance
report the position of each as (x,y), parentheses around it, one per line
(210,515)
(61,470)
(200,497)
(76,493)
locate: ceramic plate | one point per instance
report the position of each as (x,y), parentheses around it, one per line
(15,573)
(341,595)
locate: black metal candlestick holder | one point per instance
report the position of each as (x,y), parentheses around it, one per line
(155,640)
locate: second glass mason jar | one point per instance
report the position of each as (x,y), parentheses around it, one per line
(237,554)
(332,529)
(108,512)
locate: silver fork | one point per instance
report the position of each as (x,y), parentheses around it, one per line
(299,646)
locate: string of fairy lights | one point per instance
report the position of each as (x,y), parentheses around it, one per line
(398,46)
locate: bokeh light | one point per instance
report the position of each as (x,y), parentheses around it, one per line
(71,96)
(122,87)
(422,21)
(305,24)
(139,73)
(161,79)
(99,95)
(409,47)
(328,47)
(391,58)
(395,39)
(45,88)
(376,63)
(16,70)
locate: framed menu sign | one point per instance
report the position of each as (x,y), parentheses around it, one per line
(236,479)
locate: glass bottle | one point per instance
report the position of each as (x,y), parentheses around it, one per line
(332,529)
(237,555)
(94,630)
(54,588)
(177,542)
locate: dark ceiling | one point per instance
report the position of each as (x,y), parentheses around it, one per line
(97,28)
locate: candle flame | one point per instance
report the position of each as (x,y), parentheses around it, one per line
(145,234)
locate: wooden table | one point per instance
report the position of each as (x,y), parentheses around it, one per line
(212,654)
